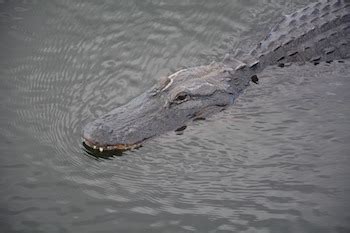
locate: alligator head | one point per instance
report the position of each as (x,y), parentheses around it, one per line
(176,100)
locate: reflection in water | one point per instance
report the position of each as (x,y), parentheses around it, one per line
(277,161)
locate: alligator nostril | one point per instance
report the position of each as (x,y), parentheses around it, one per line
(97,134)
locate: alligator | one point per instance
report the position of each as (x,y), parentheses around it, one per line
(319,32)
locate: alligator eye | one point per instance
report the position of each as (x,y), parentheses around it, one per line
(181,98)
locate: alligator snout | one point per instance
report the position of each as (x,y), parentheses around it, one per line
(100,136)
(126,127)
(117,130)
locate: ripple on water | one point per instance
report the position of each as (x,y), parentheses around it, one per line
(277,159)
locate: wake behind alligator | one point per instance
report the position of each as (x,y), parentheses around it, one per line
(320,32)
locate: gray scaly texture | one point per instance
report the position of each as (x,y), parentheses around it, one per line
(320,32)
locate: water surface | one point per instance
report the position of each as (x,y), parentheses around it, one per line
(277,161)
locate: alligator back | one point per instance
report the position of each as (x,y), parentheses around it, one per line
(319,32)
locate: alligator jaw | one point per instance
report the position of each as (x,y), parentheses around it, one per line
(117,147)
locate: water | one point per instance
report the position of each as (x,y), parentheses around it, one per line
(277,161)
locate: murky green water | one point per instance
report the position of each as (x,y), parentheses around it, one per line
(277,161)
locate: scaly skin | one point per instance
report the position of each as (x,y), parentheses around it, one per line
(320,32)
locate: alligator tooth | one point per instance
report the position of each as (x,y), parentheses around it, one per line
(254,64)
(240,66)
(101,149)
(94,147)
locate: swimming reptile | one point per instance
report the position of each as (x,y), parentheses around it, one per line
(320,32)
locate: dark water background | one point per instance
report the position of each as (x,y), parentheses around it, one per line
(277,161)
